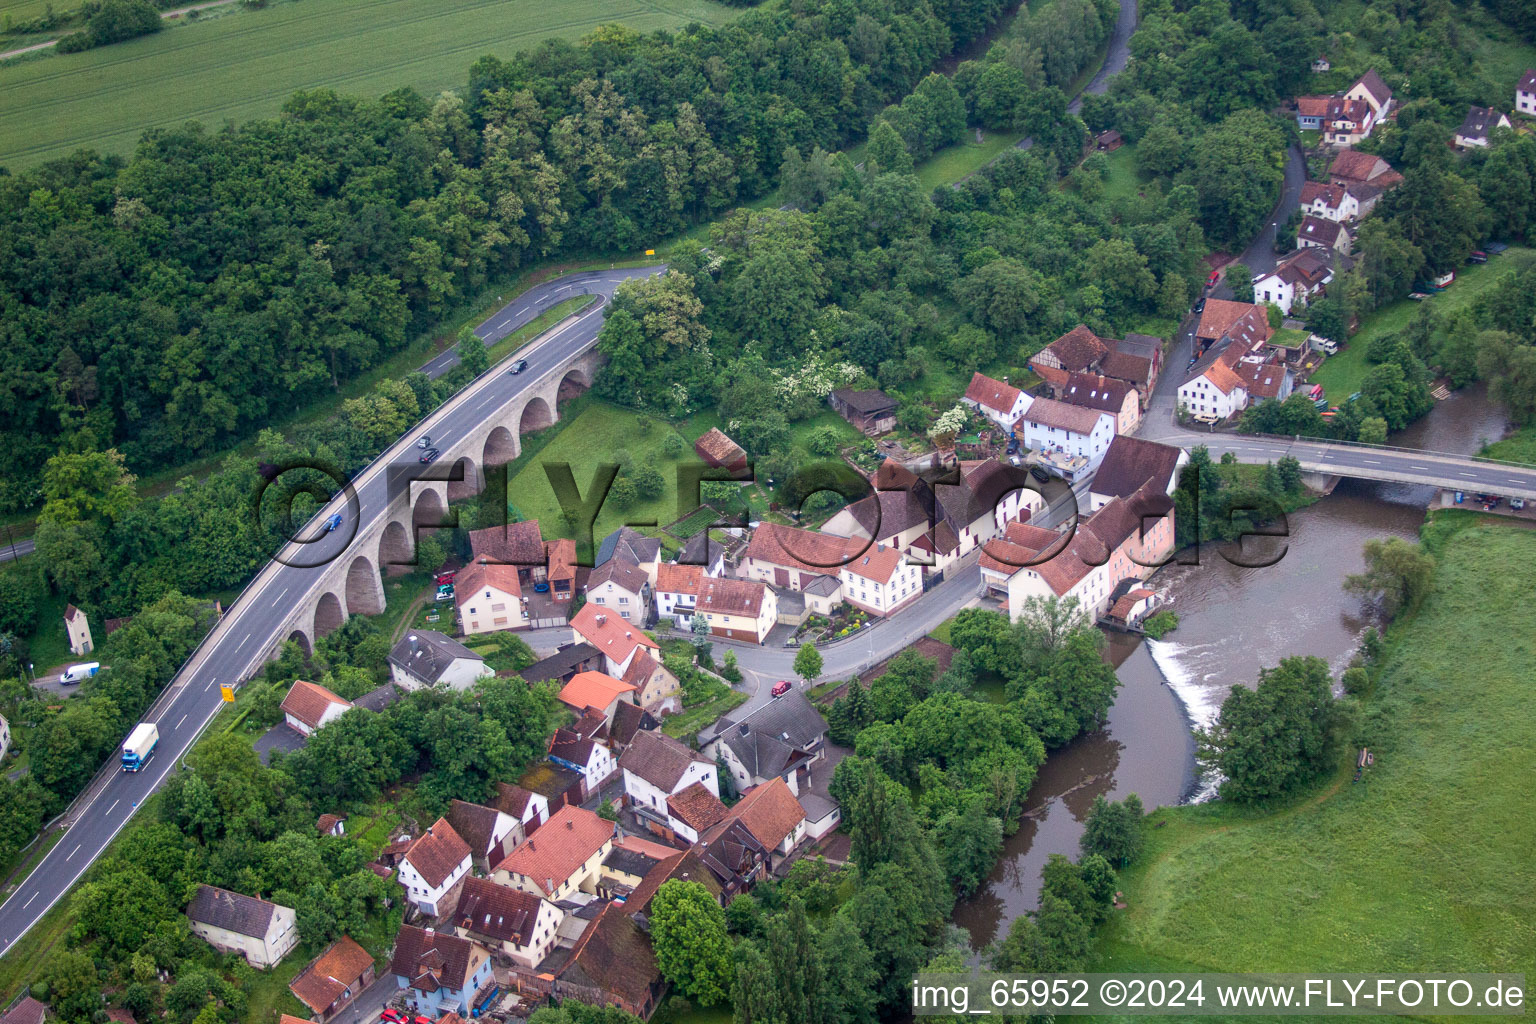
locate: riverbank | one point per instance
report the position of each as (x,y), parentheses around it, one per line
(1423,865)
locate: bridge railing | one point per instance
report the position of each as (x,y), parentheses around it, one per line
(1299,438)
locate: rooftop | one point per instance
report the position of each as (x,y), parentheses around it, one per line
(308,702)
(437,853)
(559,848)
(593,690)
(427,654)
(331,974)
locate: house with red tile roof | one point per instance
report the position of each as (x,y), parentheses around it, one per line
(435,862)
(718,450)
(507,921)
(737,609)
(489,832)
(1078,349)
(772,815)
(1353,167)
(880,580)
(596,690)
(997,400)
(333,979)
(1104,394)
(1125,539)
(1071,438)
(529,808)
(309,706)
(617,639)
(562,858)
(656,766)
(1132,463)
(612,965)
(677,592)
(691,811)
(652,681)
(439,972)
(583,754)
(621,587)
(1297,281)
(489,598)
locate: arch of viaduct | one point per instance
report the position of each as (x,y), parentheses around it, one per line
(352,584)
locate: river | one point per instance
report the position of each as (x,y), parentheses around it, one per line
(1232,622)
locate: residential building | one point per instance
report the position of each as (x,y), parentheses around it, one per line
(1328,235)
(78,629)
(1525,93)
(1478,127)
(718,450)
(1123,539)
(703,550)
(596,690)
(737,609)
(1355,168)
(333,979)
(871,411)
(617,639)
(557,784)
(516,544)
(427,658)
(692,810)
(1320,65)
(529,808)
(791,558)
(629,721)
(331,824)
(560,561)
(653,681)
(880,580)
(733,856)
(1136,359)
(1342,203)
(437,859)
(612,965)
(562,858)
(1132,607)
(1214,391)
(26,1010)
(1104,394)
(681,866)
(1240,327)
(772,815)
(509,922)
(1296,282)
(489,833)
(259,930)
(622,587)
(310,706)
(440,972)
(1372,91)
(1078,349)
(1068,438)
(781,739)
(656,766)
(5,737)
(631,546)
(586,755)
(1132,463)
(1265,380)
(998,401)
(677,592)
(627,864)
(489,598)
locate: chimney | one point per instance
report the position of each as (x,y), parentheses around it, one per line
(745,728)
(568,826)
(600,620)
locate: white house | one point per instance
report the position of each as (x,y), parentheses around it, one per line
(1329,201)
(1104,394)
(693,810)
(425,658)
(1478,126)
(433,863)
(1322,234)
(516,924)
(738,609)
(998,401)
(784,739)
(617,638)
(1296,281)
(259,930)
(1065,433)
(880,580)
(772,815)
(308,707)
(78,628)
(489,597)
(528,807)
(1525,93)
(1370,89)
(677,592)
(490,833)
(623,587)
(583,754)
(656,766)
(1213,391)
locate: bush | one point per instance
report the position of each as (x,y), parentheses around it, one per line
(1161,624)
(674,446)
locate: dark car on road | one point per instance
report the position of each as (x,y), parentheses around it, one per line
(781,687)
(430,455)
(518,367)
(1039,473)
(1199,305)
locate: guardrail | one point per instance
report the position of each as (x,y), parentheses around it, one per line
(1299,438)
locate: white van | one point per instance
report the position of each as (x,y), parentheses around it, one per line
(75,673)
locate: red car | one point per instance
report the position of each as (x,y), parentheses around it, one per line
(423,1020)
(445,577)
(781,687)
(394,1017)
(1215,276)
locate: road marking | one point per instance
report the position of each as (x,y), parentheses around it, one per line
(1372,462)
(183,719)
(206,688)
(279,597)
(74,851)
(242,643)
(1469,476)
(114,804)
(27,904)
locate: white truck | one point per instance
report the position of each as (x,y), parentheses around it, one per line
(74,673)
(140,746)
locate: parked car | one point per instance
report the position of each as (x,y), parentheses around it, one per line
(423,1020)
(518,367)
(781,687)
(1210,282)
(1477,257)
(75,673)
(1517,503)
(333,522)
(444,577)
(1040,474)
(393,1016)
(1199,305)
(430,455)
(424,441)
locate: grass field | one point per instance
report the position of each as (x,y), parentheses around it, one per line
(1123,180)
(1423,866)
(244,64)
(1518,447)
(1341,375)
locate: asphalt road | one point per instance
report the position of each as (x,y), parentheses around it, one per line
(240,642)
(16,548)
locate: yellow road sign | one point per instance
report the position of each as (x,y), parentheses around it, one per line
(229,694)
(650,252)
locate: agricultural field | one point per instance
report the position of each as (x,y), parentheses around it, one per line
(1426,861)
(236,64)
